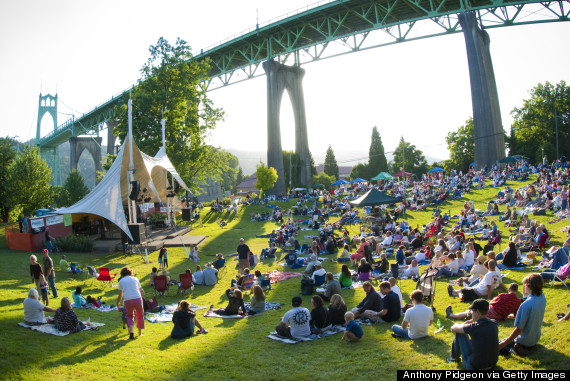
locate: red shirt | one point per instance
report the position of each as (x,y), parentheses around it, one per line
(503,305)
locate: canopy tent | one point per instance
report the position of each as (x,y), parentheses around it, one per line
(374,197)
(382,176)
(436,169)
(358,180)
(402,174)
(508,159)
(340,182)
(108,197)
(472,164)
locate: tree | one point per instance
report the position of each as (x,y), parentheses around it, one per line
(75,187)
(360,170)
(7,155)
(415,162)
(29,181)
(170,88)
(266,177)
(534,125)
(323,178)
(461,147)
(331,167)
(106,165)
(376,157)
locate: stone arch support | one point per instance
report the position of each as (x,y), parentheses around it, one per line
(91,144)
(280,78)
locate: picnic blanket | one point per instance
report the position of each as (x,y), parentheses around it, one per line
(212,314)
(50,328)
(166,311)
(103,308)
(286,265)
(331,331)
(268,306)
(277,276)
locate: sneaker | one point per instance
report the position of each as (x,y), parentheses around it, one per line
(211,308)
(448,312)
(131,336)
(451,359)
(450,290)
(396,336)
(203,331)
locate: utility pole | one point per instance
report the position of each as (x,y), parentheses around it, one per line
(556,124)
(403,155)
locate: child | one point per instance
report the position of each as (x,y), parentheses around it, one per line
(165,257)
(44,289)
(160,255)
(123,311)
(353,330)
(195,253)
(78,299)
(260,280)
(152,275)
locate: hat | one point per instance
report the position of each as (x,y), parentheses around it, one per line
(296,301)
(318,264)
(209,264)
(480,305)
(481,259)
(46,251)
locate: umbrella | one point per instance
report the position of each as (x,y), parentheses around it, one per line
(382,176)
(436,169)
(508,159)
(472,164)
(358,180)
(340,182)
(402,174)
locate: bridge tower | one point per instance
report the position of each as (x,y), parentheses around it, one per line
(488,127)
(280,78)
(47,104)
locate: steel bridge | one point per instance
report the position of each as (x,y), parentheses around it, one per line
(328,29)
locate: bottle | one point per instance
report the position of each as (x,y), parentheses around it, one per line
(438,324)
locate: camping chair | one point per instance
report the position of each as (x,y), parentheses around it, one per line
(186,285)
(105,277)
(160,285)
(320,280)
(75,268)
(247,282)
(93,274)
(266,284)
(222,223)
(220,265)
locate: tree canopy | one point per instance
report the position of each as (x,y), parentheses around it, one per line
(7,155)
(75,188)
(266,177)
(331,167)
(415,162)
(461,147)
(170,88)
(534,126)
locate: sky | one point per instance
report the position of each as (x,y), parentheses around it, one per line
(90,51)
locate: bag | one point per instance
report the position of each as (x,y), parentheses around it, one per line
(253,259)
(307,287)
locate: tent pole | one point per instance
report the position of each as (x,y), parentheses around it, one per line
(132,204)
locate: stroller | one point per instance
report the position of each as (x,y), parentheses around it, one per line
(426,284)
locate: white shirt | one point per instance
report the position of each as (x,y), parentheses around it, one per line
(412,271)
(453,266)
(420,256)
(298,319)
(469,257)
(34,311)
(397,291)
(198,277)
(419,317)
(130,287)
(492,278)
(319,272)
(387,241)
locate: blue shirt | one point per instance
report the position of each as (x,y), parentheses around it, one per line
(355,328)
(400,257)
(529,318)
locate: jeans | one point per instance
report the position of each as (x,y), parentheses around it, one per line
(548,274)
(51,282)
(559,259)
(461,347)
(398,330)
(445,272)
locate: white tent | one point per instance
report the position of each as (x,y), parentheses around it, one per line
(108,197)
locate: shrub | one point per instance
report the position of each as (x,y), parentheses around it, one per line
(72,243)
(155,217)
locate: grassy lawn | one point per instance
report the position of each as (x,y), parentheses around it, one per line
(238,349)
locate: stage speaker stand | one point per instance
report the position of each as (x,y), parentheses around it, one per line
(138,231)
(186,214)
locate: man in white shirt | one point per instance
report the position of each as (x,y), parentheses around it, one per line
(319,271)
(295,323)
(491,280)
(416,320)
(396,290)
(413,270)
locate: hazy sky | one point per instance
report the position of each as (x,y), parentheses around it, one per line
(89,51)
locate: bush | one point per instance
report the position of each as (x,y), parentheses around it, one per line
(72,243)
(156,217)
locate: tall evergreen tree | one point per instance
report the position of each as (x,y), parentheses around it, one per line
(331,167)
(75,187)
(376,157)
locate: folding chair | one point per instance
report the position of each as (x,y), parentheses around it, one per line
(105,277)
(186,285)
(160,285)
(93,274)
(247,282)
(266,284)
(320,280)
(75,268)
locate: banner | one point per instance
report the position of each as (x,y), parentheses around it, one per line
(37,223)
(67,219)
(54,220)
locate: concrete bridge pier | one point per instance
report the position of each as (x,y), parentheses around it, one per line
(280,78)
(489,138)
(111,124)
(91,144)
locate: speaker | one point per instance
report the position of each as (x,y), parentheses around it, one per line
(135,189)
(186,214)
(138,231)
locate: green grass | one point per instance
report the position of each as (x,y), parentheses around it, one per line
(238,349)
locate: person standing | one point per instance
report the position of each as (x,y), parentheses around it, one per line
(130,288)
(49,272)
(48,240)
(243,255)
(35,271)
(525,336)
(482,350)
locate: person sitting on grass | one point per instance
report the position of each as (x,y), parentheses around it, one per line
(396,290)
(416,319)
(78,299)
(66,320)
(236,306)
(34,309)
(491,280)
(295,322)
(198,276)
(63,264)
(260,278)
(257,302)
(345,255)
(479,350)
(332,287)
(345,278)
(370,305)
(451,268)
(391,307)
(337,309)
(523,339)
(320,319)
(501,307)
(412,270)
(382,267)
(364,270)
(184,321)
(353,331)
